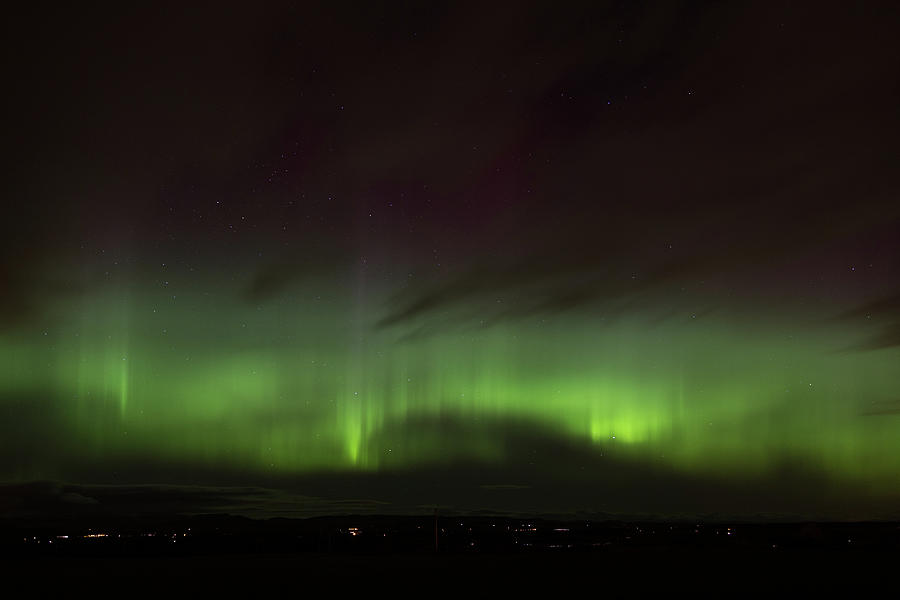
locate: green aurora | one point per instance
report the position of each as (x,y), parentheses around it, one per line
(203,379)
(625,258)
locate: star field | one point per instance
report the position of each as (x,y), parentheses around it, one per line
(633,257)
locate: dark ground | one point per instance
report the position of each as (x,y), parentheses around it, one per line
(475,553)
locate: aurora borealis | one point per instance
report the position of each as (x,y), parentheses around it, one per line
(637,259)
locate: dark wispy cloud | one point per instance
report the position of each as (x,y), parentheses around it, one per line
(273,279)
(884,408)
(884,307)
(42,499)
(888,337)
(878,321)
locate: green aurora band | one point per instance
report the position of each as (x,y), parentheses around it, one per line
(295,387)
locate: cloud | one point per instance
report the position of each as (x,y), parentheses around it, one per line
(888,337)
(271,280)
(883,314)
(884,307)
(45,499)
(888,408)
(76,498)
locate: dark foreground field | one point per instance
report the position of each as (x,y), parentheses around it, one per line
(357,554)
(625,571)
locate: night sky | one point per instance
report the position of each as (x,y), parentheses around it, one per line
(627,258)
